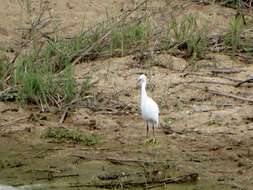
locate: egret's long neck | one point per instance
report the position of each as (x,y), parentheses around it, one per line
(143,90)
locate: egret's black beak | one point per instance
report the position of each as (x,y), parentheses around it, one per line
(138,82)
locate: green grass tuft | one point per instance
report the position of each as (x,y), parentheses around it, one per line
(169,120)
(64,134)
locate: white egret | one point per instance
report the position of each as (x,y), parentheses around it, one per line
(149,108)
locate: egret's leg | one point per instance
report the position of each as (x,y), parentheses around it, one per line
(147,130)
(153,126)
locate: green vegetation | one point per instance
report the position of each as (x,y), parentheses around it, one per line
(44,76)
(43,72)
(7,163)
(130,36)
(169,120)
(86,85)
(37,82)
(215,121)
(238,4)
(63,134)
(234,3)
(233,37)
(4,65)
(188,35)
(183,30)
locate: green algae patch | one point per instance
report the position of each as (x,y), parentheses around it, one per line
(70,135)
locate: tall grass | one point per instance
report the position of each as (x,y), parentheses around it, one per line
(4,66)
(232,38)
(190,35)
(37,82)
(43,72)
(44,75)
(129,37)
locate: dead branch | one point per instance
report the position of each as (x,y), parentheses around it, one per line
(209,82)
(64,116)
(9,109)
(94,149)
(112,176)
(245,81)
(7,91)
(226,3)
(119,160)
(13,121)
(187,178)
(209,75)
(51,176)
(222,94)
(228,78)
(226,71)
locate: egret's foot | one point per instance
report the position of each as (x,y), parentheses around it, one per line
(151,141)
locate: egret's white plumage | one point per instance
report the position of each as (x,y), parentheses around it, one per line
(149,108)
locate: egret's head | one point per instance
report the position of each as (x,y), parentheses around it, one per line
(142,78)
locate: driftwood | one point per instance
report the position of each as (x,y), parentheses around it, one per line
(146,184)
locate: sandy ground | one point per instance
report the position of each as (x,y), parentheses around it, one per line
(208,134)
